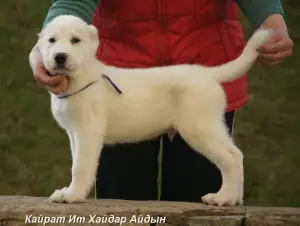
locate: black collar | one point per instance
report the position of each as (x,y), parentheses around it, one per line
(91,83)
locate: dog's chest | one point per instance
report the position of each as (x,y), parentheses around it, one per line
(64,111)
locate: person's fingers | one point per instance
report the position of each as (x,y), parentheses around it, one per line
(60,87)
(269,57)
(46,80)
(281,45)
(55,90)
(38,75)
(64,84)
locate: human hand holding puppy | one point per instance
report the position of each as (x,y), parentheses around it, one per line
(280,46)
(54,83)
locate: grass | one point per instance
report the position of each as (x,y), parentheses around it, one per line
(34,153)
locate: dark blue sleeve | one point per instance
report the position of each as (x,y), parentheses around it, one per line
(258,10)
(83,9)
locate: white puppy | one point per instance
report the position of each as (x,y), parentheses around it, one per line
(93,111)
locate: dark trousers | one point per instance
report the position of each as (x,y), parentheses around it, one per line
(129,171)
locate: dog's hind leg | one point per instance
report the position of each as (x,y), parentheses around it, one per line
(88,146)
(210,138)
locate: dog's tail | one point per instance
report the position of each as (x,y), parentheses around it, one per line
(236,68)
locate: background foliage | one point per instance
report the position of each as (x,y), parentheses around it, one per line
(34,153)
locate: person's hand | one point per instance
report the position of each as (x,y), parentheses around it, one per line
(54,83)
(280,46)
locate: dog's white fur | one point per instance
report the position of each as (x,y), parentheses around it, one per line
(188,98)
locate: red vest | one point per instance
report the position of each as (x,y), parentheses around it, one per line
(147,33)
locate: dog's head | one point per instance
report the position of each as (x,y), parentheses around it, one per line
(68,44)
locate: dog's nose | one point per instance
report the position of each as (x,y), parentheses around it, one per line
(60,58)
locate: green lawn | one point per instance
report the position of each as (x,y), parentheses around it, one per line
(34,153)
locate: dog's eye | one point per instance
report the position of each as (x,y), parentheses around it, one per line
(75,40)
(52,40)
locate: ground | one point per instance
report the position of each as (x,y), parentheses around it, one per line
(34,153)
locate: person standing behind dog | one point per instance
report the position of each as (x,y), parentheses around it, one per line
(139,33)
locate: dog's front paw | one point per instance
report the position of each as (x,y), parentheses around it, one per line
(66,195)
(222,199)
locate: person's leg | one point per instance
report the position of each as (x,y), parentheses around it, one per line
(186,175)
(128,171)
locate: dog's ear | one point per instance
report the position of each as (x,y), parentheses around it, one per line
(40,34)
(93,32)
